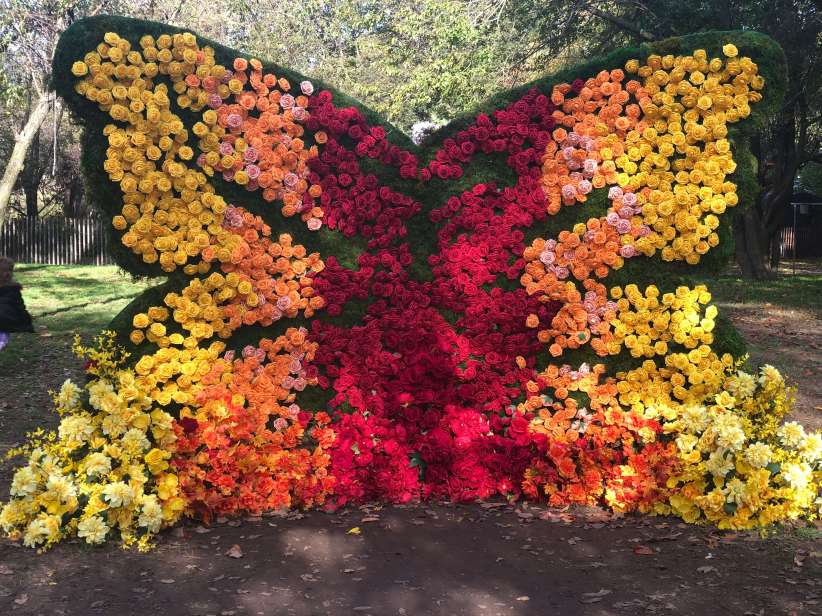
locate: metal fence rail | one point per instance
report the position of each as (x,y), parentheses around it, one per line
(56,241)
(805,240)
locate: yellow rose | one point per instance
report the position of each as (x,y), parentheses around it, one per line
(730,50)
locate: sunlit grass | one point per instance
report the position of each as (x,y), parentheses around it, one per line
(65,300)
(69,298)
(800,292)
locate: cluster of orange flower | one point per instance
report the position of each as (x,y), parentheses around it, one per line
(244,446)
(265,150)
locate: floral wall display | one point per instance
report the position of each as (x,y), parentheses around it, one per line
(505,311)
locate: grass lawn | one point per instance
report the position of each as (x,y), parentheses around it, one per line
(802,291)
(64,300)
(67,298)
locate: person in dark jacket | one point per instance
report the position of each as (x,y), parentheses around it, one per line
(13,314)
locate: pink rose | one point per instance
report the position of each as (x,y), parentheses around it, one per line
(615,192)
(590,166)
(253,171)
(627,251)
(286,101)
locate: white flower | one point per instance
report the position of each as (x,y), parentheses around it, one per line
(151,515)
(62,489)
(118,494)
(98,464)
(742,385)
(796,475)
(729,432)
(694,418)
(25,482)
(92,529)
(114,425)
(135,440)
(75,430)
(811,449)
(769,374)
(791,434)
(718,464)
(758,455)
(69,395)
(97,390)
(41,529)
(735,491)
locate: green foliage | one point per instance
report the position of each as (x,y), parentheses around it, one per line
(810,178)
(85,35)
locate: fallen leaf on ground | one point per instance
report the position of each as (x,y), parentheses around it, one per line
(595,597)
(235,551)
(706,569)
(644,550)
(556,516)
(354,531)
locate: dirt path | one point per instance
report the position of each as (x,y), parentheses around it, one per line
(791,340)
(474,560)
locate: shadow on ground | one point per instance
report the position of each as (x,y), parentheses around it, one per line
(490,559)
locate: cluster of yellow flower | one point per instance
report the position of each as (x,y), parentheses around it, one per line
(170,212)
(176,375)
(733,474)
(197,309)
(685,378)
(686,105)
(106,468)
(646,323)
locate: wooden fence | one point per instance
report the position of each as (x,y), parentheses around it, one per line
(56,241)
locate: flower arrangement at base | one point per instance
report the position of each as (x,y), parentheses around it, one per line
(105,472)
(504,311)
(741,467)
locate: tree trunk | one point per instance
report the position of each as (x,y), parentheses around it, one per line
(756,227)
(751,244)
(21,146)
(74,204)
(31,176)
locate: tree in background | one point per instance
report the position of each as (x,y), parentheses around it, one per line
(29,30)
(810,179)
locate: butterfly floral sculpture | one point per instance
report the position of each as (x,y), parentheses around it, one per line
(505,311)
